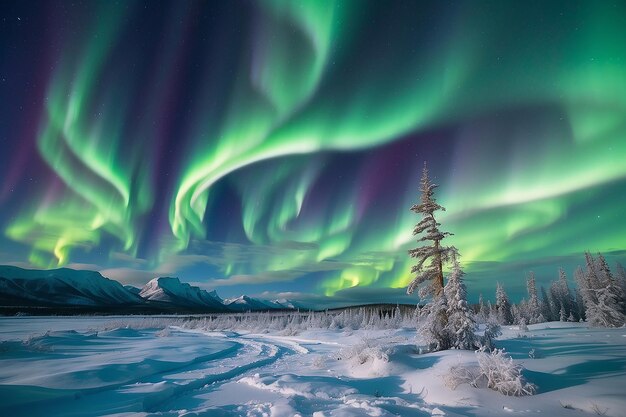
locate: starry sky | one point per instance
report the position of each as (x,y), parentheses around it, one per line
(274,147)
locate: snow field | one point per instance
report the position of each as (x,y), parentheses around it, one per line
(158,366)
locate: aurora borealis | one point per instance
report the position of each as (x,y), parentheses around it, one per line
(276,145)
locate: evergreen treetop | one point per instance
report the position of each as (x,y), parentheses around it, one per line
(431,257)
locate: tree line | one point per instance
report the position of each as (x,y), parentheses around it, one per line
(447,320)
(597,298)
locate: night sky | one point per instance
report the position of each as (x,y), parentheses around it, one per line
(274,148)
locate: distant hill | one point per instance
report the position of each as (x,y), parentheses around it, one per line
(69,291)
(61,287)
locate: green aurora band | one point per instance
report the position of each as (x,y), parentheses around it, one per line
(306,84)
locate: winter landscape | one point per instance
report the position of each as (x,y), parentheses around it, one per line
(185,367)
(312,208)
(442,357)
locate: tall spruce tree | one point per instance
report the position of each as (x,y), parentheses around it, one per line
(442,325)
(431,257)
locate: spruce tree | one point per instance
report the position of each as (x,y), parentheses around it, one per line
(546,311)
(602,295)
(443,325)
(503,305)
(533,300)
(483,313)
(431,257)
(433,327)
(620,276)
(554,299)
(611,284)
(583,293)
(461,323)
(610,308)
(565,293)
(562,316)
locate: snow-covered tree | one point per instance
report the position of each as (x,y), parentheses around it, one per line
(483,313)
(431,257)
(607,312)
(461,323)
(609,282)
(620,278)
(553,300)
(503,305)
(584,292)
(493,313)
(546,311)
(533,300)
(518,313)
(443,325)
(433,327)
(601,294)
(523,311)
(620,275)
(564,293)
(492,330)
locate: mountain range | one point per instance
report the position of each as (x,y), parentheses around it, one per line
(69,290)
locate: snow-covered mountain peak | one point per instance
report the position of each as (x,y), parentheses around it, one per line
(172,290)
(69,287)
(63,287)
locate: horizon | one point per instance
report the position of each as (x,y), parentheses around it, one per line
(390,296)
(262,148)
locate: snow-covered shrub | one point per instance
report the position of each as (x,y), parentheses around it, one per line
(496,370)
(166,332)
(367,350)
(501,374)
(461,374)
(601,411)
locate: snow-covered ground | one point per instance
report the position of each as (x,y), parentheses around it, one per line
(133,366)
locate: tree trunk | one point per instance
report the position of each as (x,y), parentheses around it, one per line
(439,285)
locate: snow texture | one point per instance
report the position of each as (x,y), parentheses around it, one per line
(168,366)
